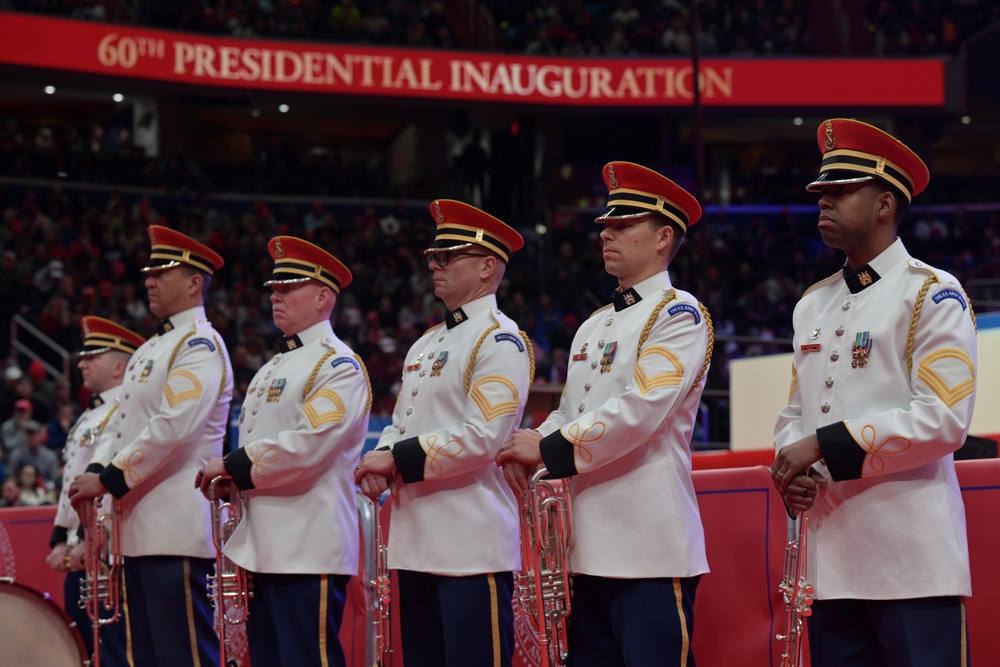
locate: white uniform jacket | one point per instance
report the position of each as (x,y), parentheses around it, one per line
(302,427)
(80,443)
(623,432)
(172,415)
(888,385)
(455,514)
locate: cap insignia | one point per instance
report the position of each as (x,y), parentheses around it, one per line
(612,177)
(279,251)
(438,214)
(479,235)
(879,165)
(831,141)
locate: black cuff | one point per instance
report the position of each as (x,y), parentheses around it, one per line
(81,533)
(558,454)
(239,466)
(95,467)
(113,480)
(841,453)
(410,458)
(59,535)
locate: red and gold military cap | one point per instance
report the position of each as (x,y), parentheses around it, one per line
(171,248)
(854,152)
(634,190)
(101,335)
(460,225)
(297,261)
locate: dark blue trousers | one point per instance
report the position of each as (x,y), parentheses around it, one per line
(631,622)
(168,611)
(922,632)
(456,621)
(295,620)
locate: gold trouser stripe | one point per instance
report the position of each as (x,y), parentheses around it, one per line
(494,619)
(965,636)
(323,586)
(685,640)
(189,604)
(128,627)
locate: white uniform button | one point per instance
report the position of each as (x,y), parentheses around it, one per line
(402,430)
(608,321)
(846,306)
(580,409)
(600,343)
(423,373)
(825,407)
(440,339)
(413,393)
(586,387)
(829,382)
(250,428)
(409,410)
(834,355)
(593,364)
(840,330)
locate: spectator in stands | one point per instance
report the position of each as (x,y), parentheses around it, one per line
(10,493)
(454,535)
(60,427)
(623,430)
(14,431)
(35,453)
(866,447)
(12,375)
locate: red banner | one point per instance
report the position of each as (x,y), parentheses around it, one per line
(100,48)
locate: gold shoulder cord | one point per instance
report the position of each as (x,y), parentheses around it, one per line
(170,364)
(312,376)
(708,323)
(368,382)
(107,418)
(914,318)
(225,371)
(531,356)
(472,357)
(912,332)
(711,345)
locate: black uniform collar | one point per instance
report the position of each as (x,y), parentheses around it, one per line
(859,279)
(455,317)
(289,343)
(164,326)
(95,402)
(625,298)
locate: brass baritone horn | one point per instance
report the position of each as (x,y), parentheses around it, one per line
(101,585)
(229,589)
(797,593)
(543,588)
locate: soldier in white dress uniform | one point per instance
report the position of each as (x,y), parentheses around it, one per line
(107,347)
(172,415)
(622,434)
(302,427)
(454,538)
(883,386)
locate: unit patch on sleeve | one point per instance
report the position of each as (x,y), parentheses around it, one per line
(202,341)
(512,338)
(950,294)
(685,308)
(345,360)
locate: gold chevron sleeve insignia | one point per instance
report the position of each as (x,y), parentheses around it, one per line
(500,386)
(951,382)
(181,386)
(324,398)
(669,379)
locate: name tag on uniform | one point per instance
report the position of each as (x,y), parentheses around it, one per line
(812,347)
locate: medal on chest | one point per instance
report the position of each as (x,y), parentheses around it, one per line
(274,391)
(608,356)
(862,347)
(144,376)
(439,364)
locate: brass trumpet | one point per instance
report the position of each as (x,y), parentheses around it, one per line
(544,588)
(101,585)
(229,589)
(797,593)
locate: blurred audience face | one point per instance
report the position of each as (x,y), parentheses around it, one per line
(11,492)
